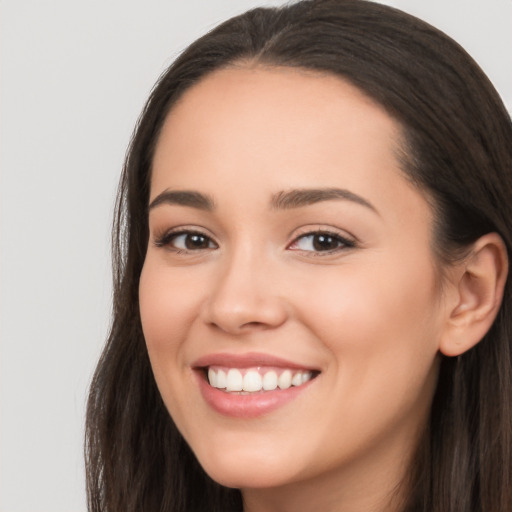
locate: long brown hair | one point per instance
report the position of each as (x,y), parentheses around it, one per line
(459,150)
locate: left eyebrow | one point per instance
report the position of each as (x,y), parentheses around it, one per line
(189,198)
(297,198)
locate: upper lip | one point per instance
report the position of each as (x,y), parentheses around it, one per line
(247,360)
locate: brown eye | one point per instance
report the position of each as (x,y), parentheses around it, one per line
(187,241)
(321,242)
(325,242)
(196,241)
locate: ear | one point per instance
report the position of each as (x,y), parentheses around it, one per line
(478,284)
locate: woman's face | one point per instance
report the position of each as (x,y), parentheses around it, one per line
(287,249)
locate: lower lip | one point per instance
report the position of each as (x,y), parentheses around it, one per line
(247,406)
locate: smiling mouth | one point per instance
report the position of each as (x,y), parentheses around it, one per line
(256,380)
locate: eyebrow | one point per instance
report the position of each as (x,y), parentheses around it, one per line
(284,200)
(184,198)
(297,198)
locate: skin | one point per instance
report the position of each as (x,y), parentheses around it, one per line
(370,317)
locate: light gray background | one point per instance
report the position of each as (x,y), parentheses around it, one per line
(74,77)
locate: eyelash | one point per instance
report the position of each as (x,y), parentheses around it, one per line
(342,242)
(167,238)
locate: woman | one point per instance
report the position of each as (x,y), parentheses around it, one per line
(311,307)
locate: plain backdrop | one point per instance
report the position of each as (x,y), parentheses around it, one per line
(74,77)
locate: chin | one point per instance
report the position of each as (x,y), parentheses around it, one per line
(250,478)
(244,471)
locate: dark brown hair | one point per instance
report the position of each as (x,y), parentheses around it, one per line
(458,150)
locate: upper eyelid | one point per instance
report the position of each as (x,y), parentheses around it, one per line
(296,234)
(323,232)
(165,236)
(318,228)
(182,230)
(345,241)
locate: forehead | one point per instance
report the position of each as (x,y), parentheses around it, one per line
(269,128)
(291,102)
(274,107)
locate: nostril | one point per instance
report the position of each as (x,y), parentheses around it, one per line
(254,325)
(230,324)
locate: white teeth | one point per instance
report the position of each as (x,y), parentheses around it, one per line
(306,376)
(255,380)
(234,380)
(297,379)
(221,379)
(252,381)
(270,381)
(212,378)
(285,379)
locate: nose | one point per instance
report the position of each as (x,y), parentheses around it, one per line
(245,296)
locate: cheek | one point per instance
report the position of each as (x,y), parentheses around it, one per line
(382,326)
(393,297)
(382,332)
(168,307)
(168,304)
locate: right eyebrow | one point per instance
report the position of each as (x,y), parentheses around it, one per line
(184,198)
(297,198)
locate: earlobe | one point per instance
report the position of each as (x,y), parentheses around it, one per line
(479,287)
